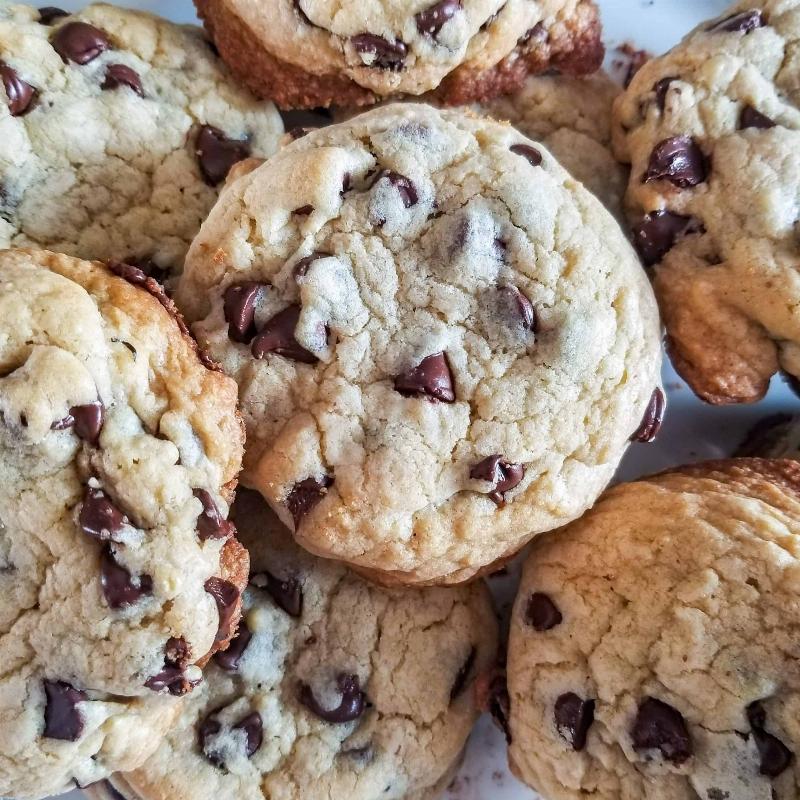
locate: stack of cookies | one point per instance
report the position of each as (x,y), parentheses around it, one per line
(272,404)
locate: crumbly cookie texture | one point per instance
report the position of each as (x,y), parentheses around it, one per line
(443,342)
(116,130)
(119,572)
(310,53)
(653,651)
(712,131)
(333,688)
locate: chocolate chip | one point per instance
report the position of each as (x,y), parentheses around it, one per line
(574,716)
(19,93)
(253,727)
(653,417)
(80,42)
(431,379)
(657,233)
(120,75)
(530,154)
(62,719)
(149,267)
(775,755)
(298,132)
(431,20)
(743,22)
(277,336)
(229,658)
(661,88)
(301,267)
(404,186)
(173,680)
(752,118)
(210,523)
(287,593)
(659,726)
(207,729)
(119,587)
(239,305)
(521,305)
(305,495)
(304,211)
(217,154)
(87,421)
(226,596)
(503,476)
(678,160)
(460,682)
(48,14)
(351,706)
(99,517)
(379,52)
(542,614)
(177,652)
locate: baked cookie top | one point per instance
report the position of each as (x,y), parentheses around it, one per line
(653,650)
(443,343)
(116,130)
(119,450)
(712,131)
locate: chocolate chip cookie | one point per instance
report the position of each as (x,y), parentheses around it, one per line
(443,342)
(309,53)
(712,130)
(653,649)
(333,688)
(119,572)
(116,131)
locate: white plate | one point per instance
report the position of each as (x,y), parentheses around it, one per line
(692,430)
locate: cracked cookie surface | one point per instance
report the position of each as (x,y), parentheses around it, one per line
(712,131)
(119,451)
(116,130)
(653,651)
(443,342)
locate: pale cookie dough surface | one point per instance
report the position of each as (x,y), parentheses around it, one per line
(113,158)
(654,651)
(712,130)
(111,431)
(410,659)
(423,238)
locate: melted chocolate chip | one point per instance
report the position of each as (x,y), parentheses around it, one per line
(252,725)
(19,93)
(521,305)
(460,682)
(240,310)
(99,517)
(351,706)
(657,233)
(305,495)
(661,88)
(431,379)
(542,614)
(120,589)
(62,718)
(678,160)
(217,154)
(277,336)
(229,659)
(253,728)
(379,52)
(752,118)
(430,21)
(503,476)
(48,14)
(118,75)
(743,22)
(86,420)
(287,593)
(659,726)
(653,417)
(207,729)
(172,680)
(226,596)
(210,523)
(304,211)
(301,267)
(405,187)
(149,267)
(80,42)
(530,154)
(177,652)
(775,755)
(574,716)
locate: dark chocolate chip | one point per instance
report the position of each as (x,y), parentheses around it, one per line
(431,379)
(99,517)
(657,233)
(381,53)
(743,22)
(253,727)
(752,118)
(404,186)
(177,652)
(277,336)
(86,420)
(678,160)
(351,706)
(430,20)
(48,14)
(659,726)
(463,674)
(149,267)
(287,593)
(530,154)
(208,728)
(62,718)
(19,93)
(305,495)
(304,211)
(499,704)
(240,310)
(80,42)
(172,680)
(226,596)
(118,75)
(120,588)
(653,417)
(775,755)
(521,305)
(210,523)
(503,476)
(661,88)
(301,267)
(216,153)
(542,614)
(229,659)
(129,272)
(574,716)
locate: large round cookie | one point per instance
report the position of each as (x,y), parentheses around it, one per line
(443,342)
(116,130)
(712,130)
(654,651)
(308,53)
(119,449)
(334,688)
